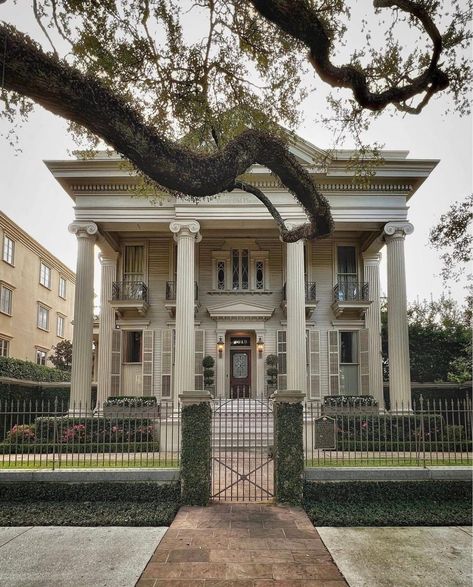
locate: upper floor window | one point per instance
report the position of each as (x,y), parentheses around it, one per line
(133,264)
(41,357)
(240,269)
(62,287)
(6,297)
(346,264)
(45,275)
(43,317)
(8,249)
(60,326)
(4,347)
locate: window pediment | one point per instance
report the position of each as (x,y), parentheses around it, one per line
(240,311)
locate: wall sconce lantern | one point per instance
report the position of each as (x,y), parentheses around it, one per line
(220,347)
(260,346)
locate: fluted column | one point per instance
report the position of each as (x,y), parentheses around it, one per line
(81,376)
(186,234)
(373,324)
(398,332)
(108,263)
(295,335)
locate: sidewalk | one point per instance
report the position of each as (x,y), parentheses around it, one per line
(241,545)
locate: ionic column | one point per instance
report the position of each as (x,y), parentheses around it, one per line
(108,264)
(186,234)
(398,332)
(295,335)
(373,324)
(81,376)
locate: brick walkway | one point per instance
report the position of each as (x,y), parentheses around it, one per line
(241,545)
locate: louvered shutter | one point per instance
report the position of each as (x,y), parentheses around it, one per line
(314,363)
(199,357)
(364,361)
(282,363)
(148,344)
(166,362)
(116,366)
(333,362)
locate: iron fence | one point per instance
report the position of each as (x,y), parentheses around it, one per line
(424,433)
(56,434)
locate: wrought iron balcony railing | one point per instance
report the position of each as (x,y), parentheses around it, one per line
(351,291)
(171,287)
(129,290)
(310,291)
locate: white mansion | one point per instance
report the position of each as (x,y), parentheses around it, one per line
(181,281)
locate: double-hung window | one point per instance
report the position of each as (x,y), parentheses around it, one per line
(347,275)
(45,275)
(60,326)
(6,299)
(43,317)
(8,250)
(41,357)
(62,288)
(4,347)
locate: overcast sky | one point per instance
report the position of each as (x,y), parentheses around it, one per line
(33,199)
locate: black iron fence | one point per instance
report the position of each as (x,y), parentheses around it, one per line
(129,290)
(53,434)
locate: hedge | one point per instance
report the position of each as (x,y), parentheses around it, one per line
(88,504)
(196,423)
(388,503)
(410,447)
(289,452)
(18,369)
(98,447)
(435,393)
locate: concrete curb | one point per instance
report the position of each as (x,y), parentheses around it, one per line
(84,475)
(387,473)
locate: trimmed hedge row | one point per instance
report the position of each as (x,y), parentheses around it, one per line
(411,447)
(99,447)
(18,369)
(388,503)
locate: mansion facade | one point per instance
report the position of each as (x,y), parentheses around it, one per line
(181,281)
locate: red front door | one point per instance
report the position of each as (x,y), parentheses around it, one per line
(240,375)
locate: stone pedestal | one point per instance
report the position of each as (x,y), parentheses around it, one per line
(398,332)
(81,376)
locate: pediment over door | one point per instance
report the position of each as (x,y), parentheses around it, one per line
(240,311)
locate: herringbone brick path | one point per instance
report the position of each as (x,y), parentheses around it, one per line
(241,545)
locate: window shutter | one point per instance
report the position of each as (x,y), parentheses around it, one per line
(148,344)
(314,363)
(333,362)
(166,362)
(199,357)
(364,361)
(282,365)
(116,366)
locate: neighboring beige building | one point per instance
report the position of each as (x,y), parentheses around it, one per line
(181,281)
(36,296)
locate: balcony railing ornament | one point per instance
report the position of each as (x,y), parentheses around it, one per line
(129,290)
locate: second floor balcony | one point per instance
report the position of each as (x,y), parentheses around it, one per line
(130,296)
(350,297)
(171,292)
(310,298)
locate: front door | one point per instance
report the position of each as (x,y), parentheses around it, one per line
(240,375)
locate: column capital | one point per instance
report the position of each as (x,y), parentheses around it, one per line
(183,228)
(84,229)
(371,259)
(108,259)
(394,230)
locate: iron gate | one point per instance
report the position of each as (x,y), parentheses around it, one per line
(242,450)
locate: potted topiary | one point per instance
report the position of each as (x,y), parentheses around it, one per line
(208,363)
(131,406)
(272,373)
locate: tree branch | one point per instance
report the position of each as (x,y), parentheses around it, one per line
(299,20)
(82,99)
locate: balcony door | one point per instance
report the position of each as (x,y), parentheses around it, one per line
(347,274)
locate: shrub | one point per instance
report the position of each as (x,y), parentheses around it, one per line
(26,370)
(21,434)
(352,401)
(272,370)
(208,363)
(129,401)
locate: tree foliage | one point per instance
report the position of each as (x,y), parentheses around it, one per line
(439,341)
(61,358)
(222,75)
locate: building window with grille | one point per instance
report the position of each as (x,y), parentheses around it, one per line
(41,356)
(8,250)
(45,275)
(60,326)
(6,299)
(259,274)
(221,275)
(62,288)
(349,362)
(134,263)
(4,347)
(132,346)
(43,317)
(240,269)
